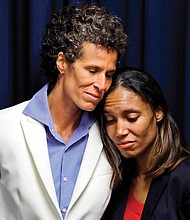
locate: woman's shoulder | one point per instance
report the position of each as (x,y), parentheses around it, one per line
(181,174)
(12,114)
(12,109)
(184,166)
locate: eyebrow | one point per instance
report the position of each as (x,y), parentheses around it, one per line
(131,110)
(127,111)
(99,68)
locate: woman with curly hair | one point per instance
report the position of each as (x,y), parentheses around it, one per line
(52,163)
(144,146)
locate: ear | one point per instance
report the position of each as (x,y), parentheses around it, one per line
(159,114)
(60,62)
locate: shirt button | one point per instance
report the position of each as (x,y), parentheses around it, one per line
(65,179)
(64,210)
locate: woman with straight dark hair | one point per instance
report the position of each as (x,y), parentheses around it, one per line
(143,144)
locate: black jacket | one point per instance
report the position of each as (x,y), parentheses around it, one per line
(168,197)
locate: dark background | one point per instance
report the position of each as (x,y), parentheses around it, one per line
(159,42)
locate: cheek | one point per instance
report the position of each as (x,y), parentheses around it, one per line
(148,131)
(74,77)
(140,131)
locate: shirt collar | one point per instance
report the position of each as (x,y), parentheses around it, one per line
(38,109)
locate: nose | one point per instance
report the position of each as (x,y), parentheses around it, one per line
(100,82)
(122,129)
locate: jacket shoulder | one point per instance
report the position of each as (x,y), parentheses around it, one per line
(13,109)
(11,115)
(182,170)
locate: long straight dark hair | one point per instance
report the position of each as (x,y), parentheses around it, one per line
(169,150)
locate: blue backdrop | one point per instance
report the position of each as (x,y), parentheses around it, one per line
(159,42)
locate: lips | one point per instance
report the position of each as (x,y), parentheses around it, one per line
(94,97)
(125,144)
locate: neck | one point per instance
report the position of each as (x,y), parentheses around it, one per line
(140,186)
(66,117)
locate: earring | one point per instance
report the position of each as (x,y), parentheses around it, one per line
(159,117)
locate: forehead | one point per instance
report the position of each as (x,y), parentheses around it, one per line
(122,98)
(89,48)
(97,56)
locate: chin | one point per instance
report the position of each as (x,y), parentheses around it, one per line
(127,155)
(89,109)
(87,106)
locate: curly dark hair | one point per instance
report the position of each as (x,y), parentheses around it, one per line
(69,29)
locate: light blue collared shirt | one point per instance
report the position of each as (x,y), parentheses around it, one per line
(65,158)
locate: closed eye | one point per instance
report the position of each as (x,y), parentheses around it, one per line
(134,119)
(110,74)
(93,71)
(109,121)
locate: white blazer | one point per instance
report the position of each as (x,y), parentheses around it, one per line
(26,185)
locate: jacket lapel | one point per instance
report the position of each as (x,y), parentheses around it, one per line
(156,189)
(35,135)
(90,159)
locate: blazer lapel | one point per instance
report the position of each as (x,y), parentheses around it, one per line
(156,189)
(36,139)
(90,159)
